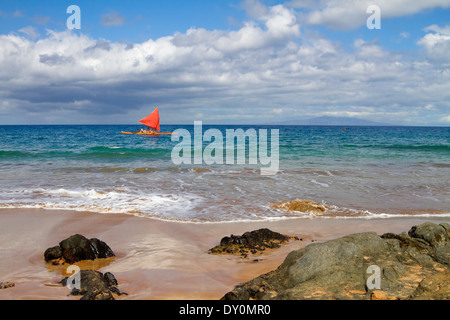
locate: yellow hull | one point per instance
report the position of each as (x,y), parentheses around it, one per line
(147,134)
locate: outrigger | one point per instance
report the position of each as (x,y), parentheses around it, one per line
(152,123)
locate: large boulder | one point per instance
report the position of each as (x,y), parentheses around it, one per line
(344,268)
(77,248)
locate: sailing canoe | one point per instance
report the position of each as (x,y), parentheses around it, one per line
(151,121)
(147,134)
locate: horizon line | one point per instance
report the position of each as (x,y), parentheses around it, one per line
(228,124)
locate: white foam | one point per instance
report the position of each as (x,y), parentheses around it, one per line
(120,201)
(183,205)
(320,183)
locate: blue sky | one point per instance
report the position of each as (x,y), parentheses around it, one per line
(138,21)
(134,21)
(237,61)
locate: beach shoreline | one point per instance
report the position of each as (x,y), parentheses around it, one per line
(158,260)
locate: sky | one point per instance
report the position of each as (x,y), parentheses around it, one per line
(225,61)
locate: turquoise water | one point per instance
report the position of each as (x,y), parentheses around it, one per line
(357,172)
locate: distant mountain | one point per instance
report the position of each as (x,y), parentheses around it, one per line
(333,121)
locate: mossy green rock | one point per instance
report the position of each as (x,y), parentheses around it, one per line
(339,269)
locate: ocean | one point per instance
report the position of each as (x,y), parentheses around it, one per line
(356,172)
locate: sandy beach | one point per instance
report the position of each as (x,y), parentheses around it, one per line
(156,260)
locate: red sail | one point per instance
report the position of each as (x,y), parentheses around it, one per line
(152,120)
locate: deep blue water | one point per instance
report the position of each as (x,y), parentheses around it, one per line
(359,171)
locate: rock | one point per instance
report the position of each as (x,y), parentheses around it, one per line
(77,248)
(250,242)
(101,249)
(408,266)
(95,286)
(434,287)
(53,253)
(378,295)
(435,235)
(299,205)
(110,279)
(6,285)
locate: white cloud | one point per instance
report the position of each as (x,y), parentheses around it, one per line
(351,14)
(405,35)
(43,20)
(437,29)
(369,50)
(112,19)
(264,69)
(279,23)
(437,43)
(277,110)
(254,8)
(30,32)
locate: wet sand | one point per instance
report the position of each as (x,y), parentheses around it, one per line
(156,260)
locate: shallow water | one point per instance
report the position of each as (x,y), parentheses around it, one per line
(358,172)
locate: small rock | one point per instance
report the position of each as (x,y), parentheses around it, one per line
(378,295)
(251,242)
(53,253)
(95,286)
(110,279)
(298,205)
(6,285)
